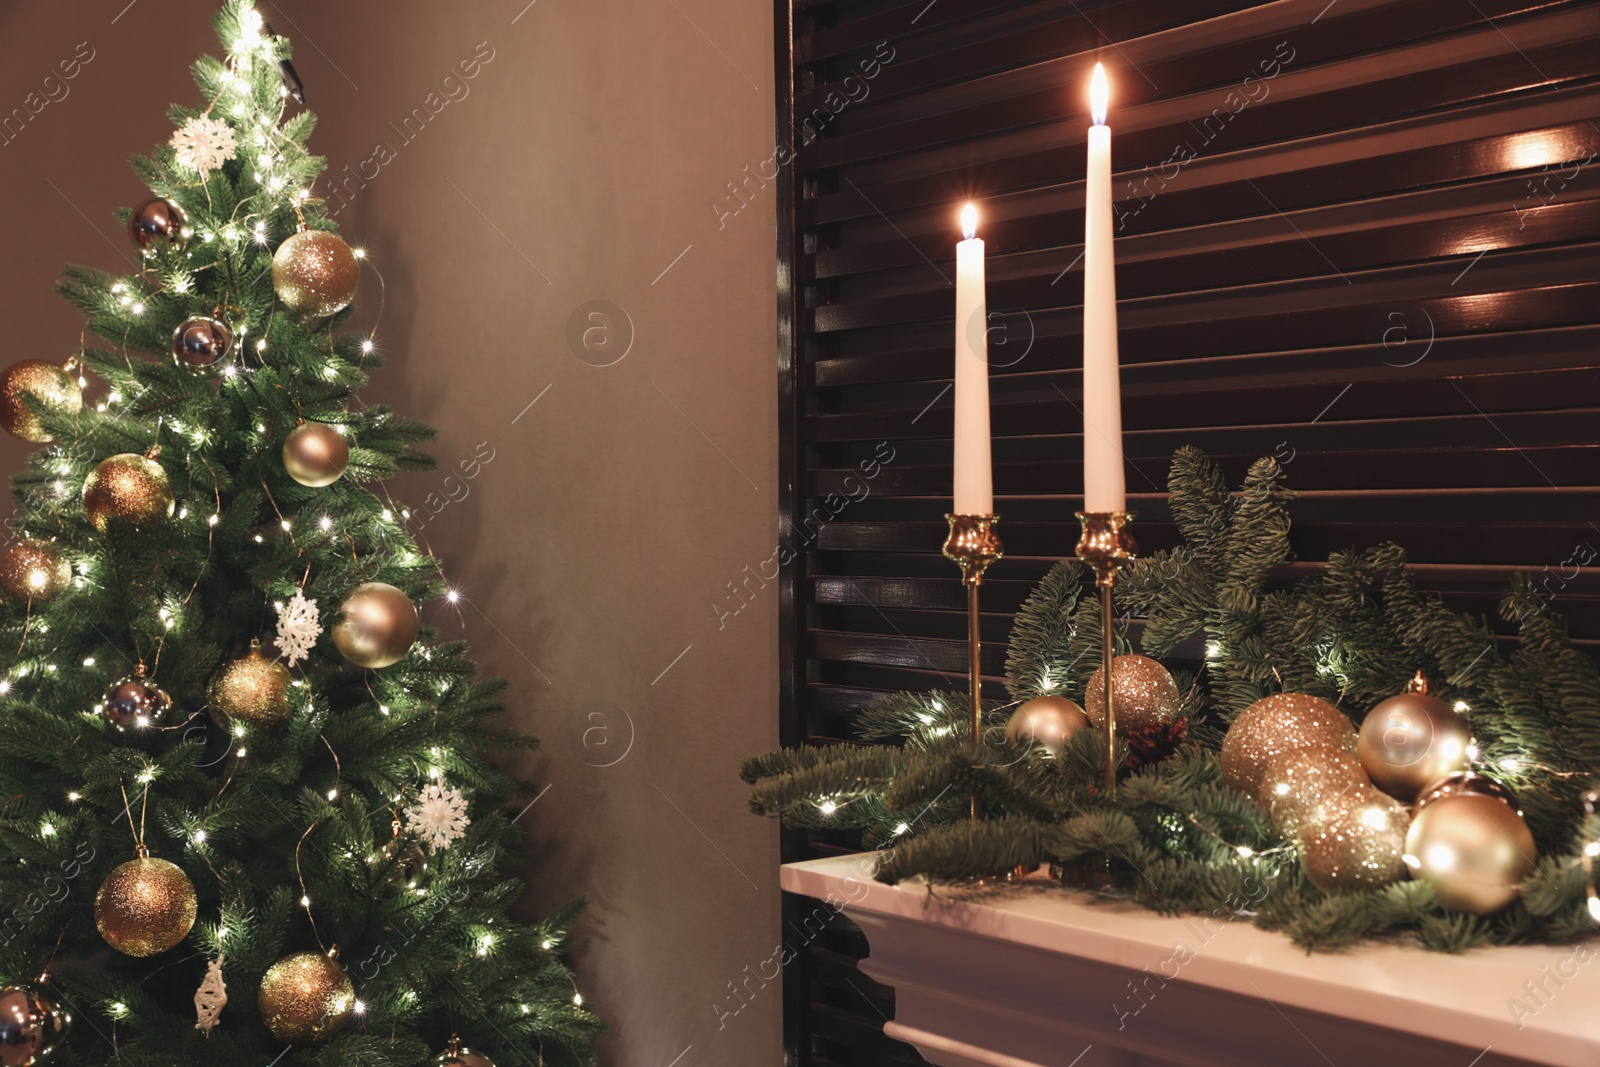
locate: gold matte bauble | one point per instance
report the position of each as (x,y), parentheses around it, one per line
(253,688)
(33,572)
(1355,840)
(306,998)
(315,454)
(456,1054)
(1143,692)
(158,222)
(1277,724)
(146,906)
(1465,782)
(315,273)
(127,488)
(1294,783)
(1046,721)
(377,625)
(200,343)
(1473,849)
(31,1026)
(1411,740)
(134,703)
(46,383)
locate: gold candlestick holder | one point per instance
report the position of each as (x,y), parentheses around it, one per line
(1106,545)
(973,545)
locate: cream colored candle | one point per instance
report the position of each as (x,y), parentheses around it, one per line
(974,479)
(1104,488)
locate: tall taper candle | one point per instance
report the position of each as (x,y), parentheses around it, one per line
(974,480)
(1103,480)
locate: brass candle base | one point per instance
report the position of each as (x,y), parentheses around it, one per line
(1106,545)
(973,545)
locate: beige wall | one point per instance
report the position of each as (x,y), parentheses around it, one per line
(615,510)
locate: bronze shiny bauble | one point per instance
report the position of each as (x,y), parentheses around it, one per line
(1294,783)
(33,572)
(31,1026)
(127,488)
(456,1054)
(1412,740)
(315,454)
(1277,724)
(1047,721)
(46,383)
(377,625)
(1473,849)
(1355,840)
(253,688)
(315,273)
(200,343)
(1143,692)
(1465,782)
(306,998)
(134,704)
(158,222)
(146,906)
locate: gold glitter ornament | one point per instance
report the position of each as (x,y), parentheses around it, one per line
(315,454)
(253,688)
(127,488)
(1474,850)
(315,273)
(377,625)
(146,906)
(456,1054)
(33,572)
(1355,840)
(1048,721)
(1411,740)
(306,998)
(1276,724)
(1295,783)
(49,384)
(31,1026)
(1143,690)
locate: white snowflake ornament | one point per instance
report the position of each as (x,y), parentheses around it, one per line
(439,816)
(298,627)
(203,144)
(211,997)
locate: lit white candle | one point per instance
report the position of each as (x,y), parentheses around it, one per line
(974,480)
(1104,488)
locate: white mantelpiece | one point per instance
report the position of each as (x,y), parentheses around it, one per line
(1050,978)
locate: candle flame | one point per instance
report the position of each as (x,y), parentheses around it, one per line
(969,221)
(1099,95)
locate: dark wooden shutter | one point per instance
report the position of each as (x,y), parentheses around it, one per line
(1358,235)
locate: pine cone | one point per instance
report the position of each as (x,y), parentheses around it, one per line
(1154,743)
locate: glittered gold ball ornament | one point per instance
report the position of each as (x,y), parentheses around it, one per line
(200,343)
(1277,724)
(31,1026)
(1047,721)
(146,906)
(1412,740)
(1474,850)
(46,383)
(306,998)
(456,1054)
(33,572)
(377,625)
(134,703)
(315,454)
(314,272)
(158,222)
(253,688)
(1295,783)
(1143,692)
(127,488)
(1465,782)
(1355,840)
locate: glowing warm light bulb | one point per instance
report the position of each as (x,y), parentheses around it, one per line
(969,221)
(1099,95)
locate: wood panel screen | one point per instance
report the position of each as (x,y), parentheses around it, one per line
(1358,235)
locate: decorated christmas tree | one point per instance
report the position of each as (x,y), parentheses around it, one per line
(249,806)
